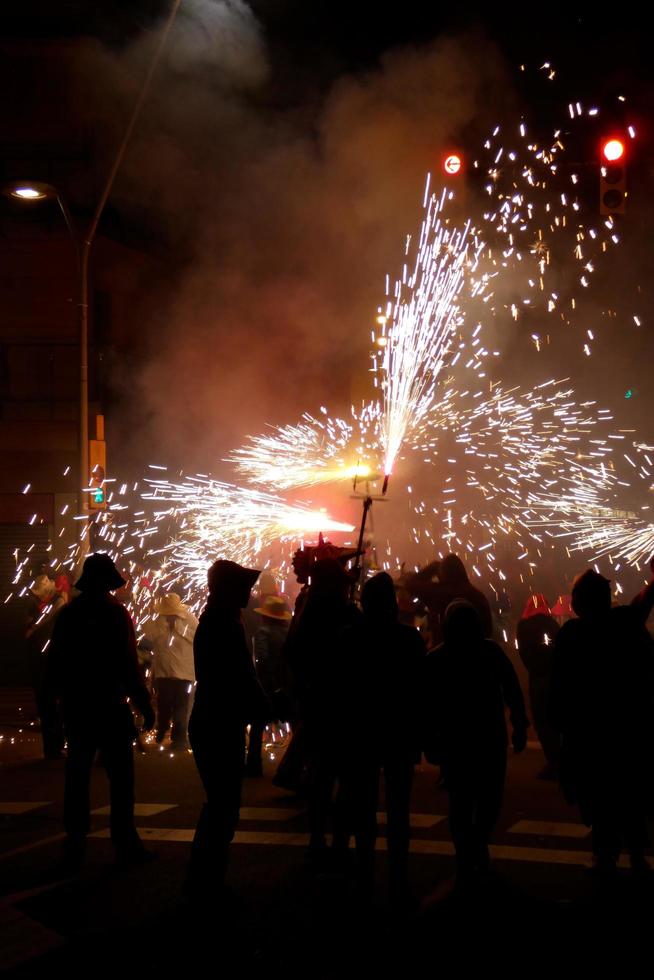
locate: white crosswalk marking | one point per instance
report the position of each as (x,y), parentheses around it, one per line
(15,809)
(268,813)
(24,938)
(549,828)
(499,852)
(419,820)
(140,809)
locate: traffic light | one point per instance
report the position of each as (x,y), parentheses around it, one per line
(613,190)
(98,468)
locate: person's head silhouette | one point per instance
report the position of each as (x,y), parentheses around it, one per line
(591,594)
(462,626)
(378,598)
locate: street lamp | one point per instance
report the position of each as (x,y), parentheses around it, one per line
(27,191)
(38,191)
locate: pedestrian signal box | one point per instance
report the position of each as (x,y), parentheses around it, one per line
(98,468)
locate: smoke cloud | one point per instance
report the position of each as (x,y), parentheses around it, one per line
(287,220)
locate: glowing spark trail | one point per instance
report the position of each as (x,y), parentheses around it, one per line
(420,323)
(220,520)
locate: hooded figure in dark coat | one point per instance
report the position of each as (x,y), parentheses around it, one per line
(453,583)
(311,647)
(468,681)
(377,699)
(93,669)
(227,696)
(602,703)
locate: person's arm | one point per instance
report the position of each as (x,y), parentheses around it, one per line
(52,684)
(514,701)
(556,706)
(136,686)
(486,616)
(643,603)
(256,699)
(260,645)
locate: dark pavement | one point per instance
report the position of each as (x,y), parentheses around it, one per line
(540,903)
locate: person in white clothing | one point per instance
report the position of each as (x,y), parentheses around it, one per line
(170,636)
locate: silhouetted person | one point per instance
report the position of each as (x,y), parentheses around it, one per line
(270,665)
(380,664)
(536,633)
(453,583)
(310,651)
(602,703)
(93,668)
(468,681)
(227,696)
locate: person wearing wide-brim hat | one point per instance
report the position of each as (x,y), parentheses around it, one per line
(268,644)
(274,607)
(93,669)
(170,636)
(227,697)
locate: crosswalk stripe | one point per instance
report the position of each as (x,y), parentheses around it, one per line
(500,852)
(418,820)
(15,809)
(549,828)
(422,821)
(24,938)
(268,813)
(140,809)
(43,842)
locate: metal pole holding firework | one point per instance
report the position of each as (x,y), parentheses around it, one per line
(368,500)
(367,504)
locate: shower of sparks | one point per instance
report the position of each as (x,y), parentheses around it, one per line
(312,452)
(165,536)
(420,322)
(513,473)
(220,520)
(595,528)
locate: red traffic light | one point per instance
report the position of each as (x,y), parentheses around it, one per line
(612,149)
(452,164)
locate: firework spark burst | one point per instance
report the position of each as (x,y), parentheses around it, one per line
(420,321)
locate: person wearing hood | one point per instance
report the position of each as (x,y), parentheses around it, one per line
(452,583)
(92,667)
(170,637)
(310,651)
(602,704)
(468,682)
(536,633)
(227,697)
(377,702)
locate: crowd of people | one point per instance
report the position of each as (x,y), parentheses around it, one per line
(249,661)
